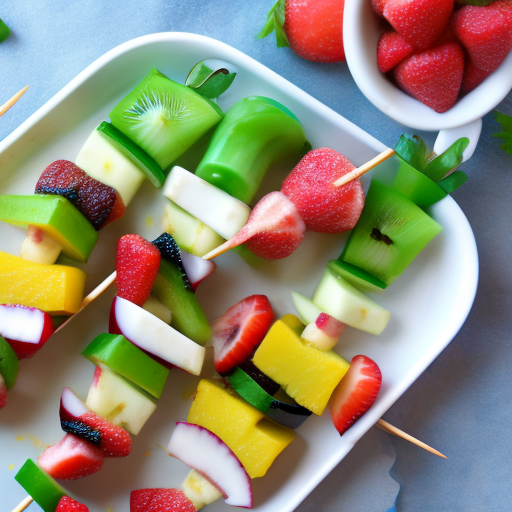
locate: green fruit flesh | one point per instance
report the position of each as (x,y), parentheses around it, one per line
(129,361)
(356,276)
(308,312)
(390,233)
(266,130)
(134,153)
(164,118)
(187,315)
(56,216)
(8,363)
(40,486)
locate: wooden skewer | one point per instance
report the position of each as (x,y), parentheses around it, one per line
(93,295)
(8,104)
(24,504)
(390,429)
(357,173)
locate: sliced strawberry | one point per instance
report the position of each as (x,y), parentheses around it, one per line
(391,50)
(77,419)
(25,329)
(160,500)
(71,458)
(324,207)
(419,22)
(239,331)
(66,504)
(3,392)
(355,393)
(137,266)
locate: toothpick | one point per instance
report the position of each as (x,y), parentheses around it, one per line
(221,249)
(357,173)
(93,295)
(24,504)
(390,429)
(8,104)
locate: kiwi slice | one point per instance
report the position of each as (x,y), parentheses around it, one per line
(164,118)
(390,233)
(357,276)
(134,153)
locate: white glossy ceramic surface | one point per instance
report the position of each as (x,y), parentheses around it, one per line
(361,34)
(429,303)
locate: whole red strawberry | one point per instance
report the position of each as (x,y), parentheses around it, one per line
(433,77)
(66,504)
(473,76)
(419,22)
(324,207)
(486,33)
(137,266)
(160,500)
(313,29)
(391,50)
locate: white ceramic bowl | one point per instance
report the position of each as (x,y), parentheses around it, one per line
(361,34)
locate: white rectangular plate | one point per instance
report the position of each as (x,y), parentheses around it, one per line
(428,303)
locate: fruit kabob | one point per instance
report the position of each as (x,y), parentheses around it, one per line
(132,364)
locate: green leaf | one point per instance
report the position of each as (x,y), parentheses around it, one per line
(275,22)
(506,123)
(440,166)
(412,149)
(453,181)
(207,82)
(5,31)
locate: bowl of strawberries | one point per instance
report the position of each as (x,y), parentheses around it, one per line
(435,65)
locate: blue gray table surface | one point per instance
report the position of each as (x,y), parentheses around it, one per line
(461,404)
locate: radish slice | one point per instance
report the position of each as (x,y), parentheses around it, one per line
(196,268)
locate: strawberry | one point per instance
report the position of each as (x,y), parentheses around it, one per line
(433,77)
(66,504)
(71,458)
(378,7)
(419,22)
(239,331)
(99,203)
(3,392)
(355,394)
(160,500)
(137,266)
(486,33)
(312,29)
(324,207)
(391,50)
(473,77)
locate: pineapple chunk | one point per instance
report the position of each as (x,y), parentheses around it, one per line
(307,374)
(56,289)
(254,439)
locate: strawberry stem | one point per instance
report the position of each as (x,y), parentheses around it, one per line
(275,22)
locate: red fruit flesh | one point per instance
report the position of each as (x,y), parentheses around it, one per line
(324,207)
(3,392)
(66,504)
(71,458)
(486,33)
(391,50)
(160,500)
(433,77)
(315,29)
(137,266)
(115,441)
(473,77)
(25,329)
(331,326)
(419,22)
(238,332)
(355,394)
(99,203)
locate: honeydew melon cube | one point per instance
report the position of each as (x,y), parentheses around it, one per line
(254,439)
(305,373)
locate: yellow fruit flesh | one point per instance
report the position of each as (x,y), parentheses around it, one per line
(307,374)
(56,289)
(254,439)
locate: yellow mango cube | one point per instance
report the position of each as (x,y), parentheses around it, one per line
(56,289)
(254,439)
(307,374)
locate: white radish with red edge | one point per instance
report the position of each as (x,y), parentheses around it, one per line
(324,332)
(3,392)
(26,329)
(155,336)
(196,268)
(71,407)
(205,452)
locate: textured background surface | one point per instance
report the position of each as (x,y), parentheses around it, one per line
(461,403)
